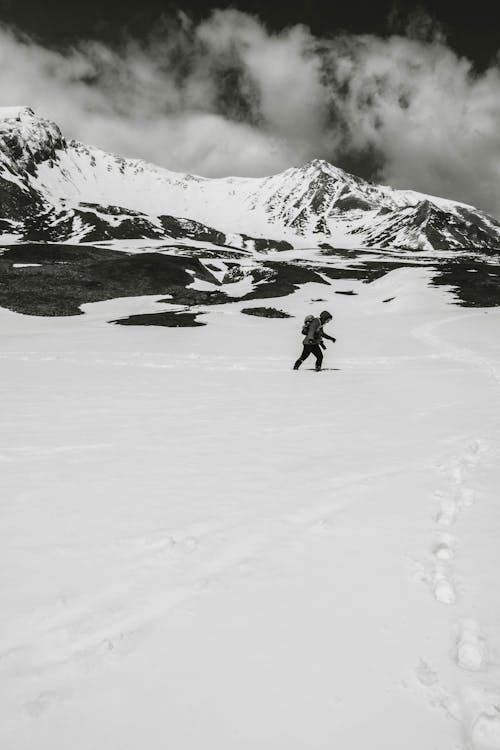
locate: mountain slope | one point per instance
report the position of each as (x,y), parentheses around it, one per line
(43,174)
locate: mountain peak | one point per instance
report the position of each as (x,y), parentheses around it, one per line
(26,139)
(319,165)
(320,168)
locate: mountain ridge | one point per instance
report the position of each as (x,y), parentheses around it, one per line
(42,173)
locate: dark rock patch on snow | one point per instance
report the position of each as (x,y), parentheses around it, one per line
(475,283)
(167,319)
(281,279)
(68,277)
(265,312)
(188,297)
(366,271)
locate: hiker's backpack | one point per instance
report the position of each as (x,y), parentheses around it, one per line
(307,323)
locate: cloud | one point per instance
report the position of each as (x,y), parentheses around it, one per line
(435,123)
(227,96)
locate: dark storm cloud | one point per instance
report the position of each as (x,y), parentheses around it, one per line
(227,96)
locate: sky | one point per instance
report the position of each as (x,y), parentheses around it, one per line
(401,94)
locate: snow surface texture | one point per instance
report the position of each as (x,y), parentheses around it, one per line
(201,548)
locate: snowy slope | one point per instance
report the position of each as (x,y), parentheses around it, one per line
(306,205)
(201,548)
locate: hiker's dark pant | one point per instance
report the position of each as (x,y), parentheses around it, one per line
(311,349)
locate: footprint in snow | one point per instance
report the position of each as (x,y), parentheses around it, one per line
(442,586)
(476,709)
(470,649)
(476,450)
(437,579)
(443,547)
(455,471)
(425,675)
(428,681)
(467,497)
(191,543)
(447,509)
(481,711)
(457,466)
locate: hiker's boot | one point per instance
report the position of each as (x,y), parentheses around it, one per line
(297,364)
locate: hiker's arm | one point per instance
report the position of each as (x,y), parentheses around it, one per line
(330,338)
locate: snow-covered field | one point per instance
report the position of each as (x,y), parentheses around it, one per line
(201,548)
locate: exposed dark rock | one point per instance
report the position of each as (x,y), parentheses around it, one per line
(339,252)
(167,319)
(429,223)
(476,283)
(349,202)
(367,271)
(188,228)
(18,204)
(47,253)
(286,278)
(182,296)
(235,273)
(8,227)
(71,276)
(265,312)
(90,221)
(263,245)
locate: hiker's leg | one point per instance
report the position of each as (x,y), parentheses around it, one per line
(305,353)
(316,350)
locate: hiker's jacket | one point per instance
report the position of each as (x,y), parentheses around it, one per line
(315,333)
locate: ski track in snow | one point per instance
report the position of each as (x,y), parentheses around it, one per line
(476,708)
(210,362)
(94,626)
(427,334)
(74,636)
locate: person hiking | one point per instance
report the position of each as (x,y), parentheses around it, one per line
(313,341)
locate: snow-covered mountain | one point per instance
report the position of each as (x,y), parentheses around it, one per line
(52,188)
